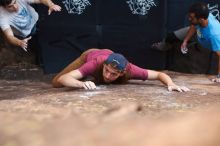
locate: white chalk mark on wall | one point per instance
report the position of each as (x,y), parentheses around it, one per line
(76,6)
(214,10)
(141,7)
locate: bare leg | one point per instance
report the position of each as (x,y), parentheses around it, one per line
(181,33)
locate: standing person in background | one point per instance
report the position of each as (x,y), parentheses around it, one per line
(18,19)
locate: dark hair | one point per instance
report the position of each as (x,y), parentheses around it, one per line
(5,2)
(200,10)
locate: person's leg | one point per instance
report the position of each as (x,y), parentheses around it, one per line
(181,33)
(172,37)
(72,66)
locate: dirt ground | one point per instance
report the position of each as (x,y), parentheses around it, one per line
(141,113)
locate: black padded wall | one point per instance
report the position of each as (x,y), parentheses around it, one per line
(125,26)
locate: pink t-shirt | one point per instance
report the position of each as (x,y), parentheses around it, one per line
(97,57)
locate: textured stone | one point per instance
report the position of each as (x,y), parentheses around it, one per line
(141,113)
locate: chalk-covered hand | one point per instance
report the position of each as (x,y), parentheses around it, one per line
(217,80)
(24,43)
(54,7)
(89,85)
(178,88)
(184,48)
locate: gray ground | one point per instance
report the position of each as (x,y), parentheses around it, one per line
(141,113)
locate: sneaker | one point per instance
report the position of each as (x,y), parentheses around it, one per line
(160,46)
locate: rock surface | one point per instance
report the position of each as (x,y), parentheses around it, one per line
(141,113)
